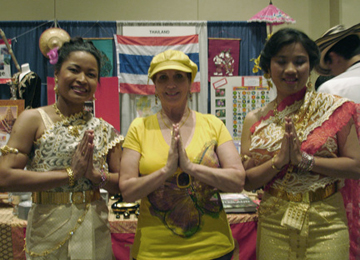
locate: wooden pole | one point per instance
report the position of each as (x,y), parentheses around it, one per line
(10,50)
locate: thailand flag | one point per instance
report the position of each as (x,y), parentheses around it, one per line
(134,55)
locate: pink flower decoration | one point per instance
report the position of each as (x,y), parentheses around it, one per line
(53,55)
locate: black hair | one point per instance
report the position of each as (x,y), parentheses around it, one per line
(77,44)
(285,37)
(347,48)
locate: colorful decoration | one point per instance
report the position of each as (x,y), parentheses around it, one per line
(272,16)
(223,57)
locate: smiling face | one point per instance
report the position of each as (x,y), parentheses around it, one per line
(78,77)
(172,87)
(290,69)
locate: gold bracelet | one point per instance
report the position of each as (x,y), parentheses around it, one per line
(71,176)
(244,157)
(273,164)
(6,150)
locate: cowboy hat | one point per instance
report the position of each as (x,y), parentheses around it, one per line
(51,38)
(329,39)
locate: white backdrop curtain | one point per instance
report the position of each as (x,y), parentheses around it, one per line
(199,100)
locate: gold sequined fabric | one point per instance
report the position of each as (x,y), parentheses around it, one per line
(267,137)
(55,148)
(304,229)
(324,234)
(6,242)
(50,225)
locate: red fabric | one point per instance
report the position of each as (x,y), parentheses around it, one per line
(121,245)
(351,196)
(107,104)
(245,236)
(223,58)
(336,122)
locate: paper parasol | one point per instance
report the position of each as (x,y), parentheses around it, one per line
(272,16)
(51,38)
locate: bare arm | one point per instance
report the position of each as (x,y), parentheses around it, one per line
(114,160)
(13,177)
(133,186)
(347,165)
(256,176)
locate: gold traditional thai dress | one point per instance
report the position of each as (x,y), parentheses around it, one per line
(302,215)
(73,225)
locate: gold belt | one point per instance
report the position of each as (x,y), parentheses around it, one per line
(316,195)
(76,197)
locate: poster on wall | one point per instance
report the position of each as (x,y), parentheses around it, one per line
(224,56)
(5,58)
(233,97)
(9,111)
(105,47)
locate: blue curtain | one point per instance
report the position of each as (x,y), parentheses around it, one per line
(25,37)
(252,35)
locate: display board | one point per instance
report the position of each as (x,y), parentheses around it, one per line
(233,97)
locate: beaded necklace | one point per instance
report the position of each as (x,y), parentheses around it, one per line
(74,130)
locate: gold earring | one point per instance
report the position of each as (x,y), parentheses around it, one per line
(56,89)
(156,99)
(268,79)
(93,98)
(309,85)
(190,96)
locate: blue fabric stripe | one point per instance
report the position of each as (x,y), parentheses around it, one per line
(139,64)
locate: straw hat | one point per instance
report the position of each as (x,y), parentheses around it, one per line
(172,60)
(329,39)
(51,38)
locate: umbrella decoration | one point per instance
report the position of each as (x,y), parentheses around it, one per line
(272,16)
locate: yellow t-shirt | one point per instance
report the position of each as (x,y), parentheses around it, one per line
(156,238)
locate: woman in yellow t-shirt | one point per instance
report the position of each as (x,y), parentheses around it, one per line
(176,161)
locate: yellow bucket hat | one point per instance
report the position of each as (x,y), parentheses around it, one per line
(172,60)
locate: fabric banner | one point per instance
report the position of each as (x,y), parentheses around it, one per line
(134,55)
(223,57)
(5,58)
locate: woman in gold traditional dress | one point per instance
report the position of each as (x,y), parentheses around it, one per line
(176,161)
(68,155)
(299,147)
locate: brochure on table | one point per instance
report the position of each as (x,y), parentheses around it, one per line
(233,97)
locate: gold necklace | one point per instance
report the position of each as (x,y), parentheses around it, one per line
(162,119)
(300,119)
(74,130)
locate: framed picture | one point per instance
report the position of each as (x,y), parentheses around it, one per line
(9,111)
